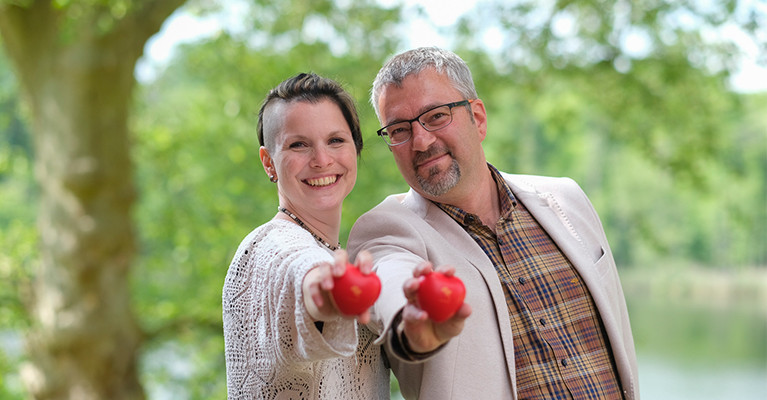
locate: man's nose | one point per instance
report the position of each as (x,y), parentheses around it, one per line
(422,138)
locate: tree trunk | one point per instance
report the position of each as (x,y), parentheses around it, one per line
(84,339)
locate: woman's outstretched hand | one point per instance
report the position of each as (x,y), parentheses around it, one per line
(318,285)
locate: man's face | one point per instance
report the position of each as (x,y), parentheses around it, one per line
(437,164)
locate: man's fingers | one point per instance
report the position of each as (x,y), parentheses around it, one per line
(447,270)
(411,313)
(341,257)
(410,289)
(423,268)
(364,262)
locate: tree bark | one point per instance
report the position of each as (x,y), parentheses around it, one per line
(78,82)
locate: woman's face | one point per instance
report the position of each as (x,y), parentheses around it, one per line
(314,157)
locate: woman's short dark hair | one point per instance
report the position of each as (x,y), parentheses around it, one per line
(312,88)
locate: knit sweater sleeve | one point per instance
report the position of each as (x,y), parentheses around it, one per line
(267,329)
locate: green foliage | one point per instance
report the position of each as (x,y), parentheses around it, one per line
(665,96)
(170,366)
(588,32)
(18,236)
(10,386)
(18,196)
(358,27)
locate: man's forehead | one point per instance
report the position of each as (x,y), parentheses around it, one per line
(416,94)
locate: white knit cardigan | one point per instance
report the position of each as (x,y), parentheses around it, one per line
(273,348)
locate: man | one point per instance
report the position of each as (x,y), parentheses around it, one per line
(548,317)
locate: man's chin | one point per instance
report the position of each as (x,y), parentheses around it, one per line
(435,187)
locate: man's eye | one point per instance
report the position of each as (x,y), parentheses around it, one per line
(436,117)
(398,131)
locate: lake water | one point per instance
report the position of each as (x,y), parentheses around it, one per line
(661,379)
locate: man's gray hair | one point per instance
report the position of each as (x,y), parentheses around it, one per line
(416,60)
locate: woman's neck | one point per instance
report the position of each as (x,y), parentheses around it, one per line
(325,224)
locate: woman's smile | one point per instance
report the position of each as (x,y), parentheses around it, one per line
(322,181)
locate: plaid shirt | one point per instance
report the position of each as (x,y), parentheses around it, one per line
(560,348)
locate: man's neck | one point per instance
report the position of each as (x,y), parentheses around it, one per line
(480,199)
(485,203)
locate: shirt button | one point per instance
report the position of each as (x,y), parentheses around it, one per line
(542,321)
(521,280)
(564,362)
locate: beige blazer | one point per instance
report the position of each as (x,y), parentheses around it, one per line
(406,229)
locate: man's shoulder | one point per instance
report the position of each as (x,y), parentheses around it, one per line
(536,181)
(403,211)
(393,217)
(541,184)
(395,203)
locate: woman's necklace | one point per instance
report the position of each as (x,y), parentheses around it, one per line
(303,225)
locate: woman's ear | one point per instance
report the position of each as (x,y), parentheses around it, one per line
(266,161)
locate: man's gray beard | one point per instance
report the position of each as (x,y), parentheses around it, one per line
(434,186)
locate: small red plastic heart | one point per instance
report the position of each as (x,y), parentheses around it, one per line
(355,292)
(440,296)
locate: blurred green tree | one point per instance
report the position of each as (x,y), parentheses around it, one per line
(74,61)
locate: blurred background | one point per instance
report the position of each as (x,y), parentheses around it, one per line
(129,168)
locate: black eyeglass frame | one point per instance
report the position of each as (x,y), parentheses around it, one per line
(450,107)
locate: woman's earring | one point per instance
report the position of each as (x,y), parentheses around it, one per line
(272,179)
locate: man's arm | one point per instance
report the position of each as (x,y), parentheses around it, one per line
(391,235)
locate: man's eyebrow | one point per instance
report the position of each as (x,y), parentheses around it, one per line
(422,110)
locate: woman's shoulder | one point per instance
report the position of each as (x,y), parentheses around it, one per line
(277,245)
(275,231)
(278,239)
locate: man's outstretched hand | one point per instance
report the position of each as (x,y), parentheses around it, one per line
(424,334)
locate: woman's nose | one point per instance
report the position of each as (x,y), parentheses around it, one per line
(321,158)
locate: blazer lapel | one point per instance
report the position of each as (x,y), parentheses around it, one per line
(543,206)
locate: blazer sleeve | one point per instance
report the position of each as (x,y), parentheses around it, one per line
(388,232)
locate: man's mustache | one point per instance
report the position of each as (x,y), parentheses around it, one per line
(423,156)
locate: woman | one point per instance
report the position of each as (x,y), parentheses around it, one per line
(284,336)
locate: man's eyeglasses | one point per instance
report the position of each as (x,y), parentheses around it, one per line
(431,120)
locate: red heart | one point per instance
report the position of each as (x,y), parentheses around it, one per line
(355,292)
(440,295)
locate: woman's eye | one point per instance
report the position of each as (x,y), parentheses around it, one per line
(337,140)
